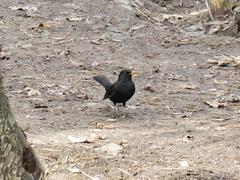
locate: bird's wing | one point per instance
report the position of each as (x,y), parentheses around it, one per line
(103,81)
(112,90)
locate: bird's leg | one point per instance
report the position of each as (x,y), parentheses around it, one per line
(121,108)
(117,108)
(121,111)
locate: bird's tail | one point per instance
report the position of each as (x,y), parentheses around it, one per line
(103,81)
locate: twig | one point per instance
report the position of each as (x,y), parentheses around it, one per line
(67,157)
(146,15)
(209,9)
(125,172)
(222,177)
(142,13)
(82,172)
(170,169)
(85,174)
(148,178)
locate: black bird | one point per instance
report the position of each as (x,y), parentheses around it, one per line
(120,91)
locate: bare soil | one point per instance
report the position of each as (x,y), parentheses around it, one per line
(51,51)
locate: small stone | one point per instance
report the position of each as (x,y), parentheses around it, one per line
(111,148)
(111,120)
(184,164)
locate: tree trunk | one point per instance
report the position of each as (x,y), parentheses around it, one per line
(17,158)
(225,18)
(218,7)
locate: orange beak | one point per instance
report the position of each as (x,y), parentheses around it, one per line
(133,73)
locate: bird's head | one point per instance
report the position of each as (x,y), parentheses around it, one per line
(126,74)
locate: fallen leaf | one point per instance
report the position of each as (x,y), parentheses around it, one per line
(95,64)
(212,61)
(219,81)
(232,98)
(111,120)
(40,105)
(187,138)
(96,42)
(184,114)
(221,128)
(86,139)
(111,148)
(153,101)
(77,64)
(188,86)
(75,19)
(134,28)
(28,10)
(226,61)
(77,139)
(32,92)
(102,125)
(98,177)
(132,107)
(216,104)
(74,170)
(42,25)
(149,88)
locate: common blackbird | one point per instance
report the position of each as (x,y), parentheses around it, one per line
(120,91)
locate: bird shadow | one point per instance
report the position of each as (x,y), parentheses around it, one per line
(116,112)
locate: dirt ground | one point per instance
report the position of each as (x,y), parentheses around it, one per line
(182,122)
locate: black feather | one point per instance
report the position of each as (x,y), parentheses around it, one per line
(121,91)
(103,81)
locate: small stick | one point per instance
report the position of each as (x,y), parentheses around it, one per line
(146,177)
(85,174)
(209,9)
(125,172)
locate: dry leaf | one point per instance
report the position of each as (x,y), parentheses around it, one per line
(75,63)
(187,138)
(77,139)
(226,61)
(216,104)
(111,148)
(101,125)
(153,101)
(32,92)
(75,19)
(111,120)
(219,82)
(212,61)
(232,98)
(74,170)
(28,8)
(149,88)
(41,26)
(133,107)
(221,128)
(86,139)
(188,86)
